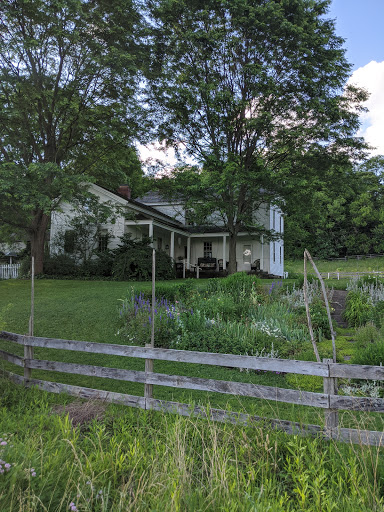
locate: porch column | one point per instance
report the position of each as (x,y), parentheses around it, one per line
(150,231)
(262,253)
(188,252)
(172,250)
(224,252)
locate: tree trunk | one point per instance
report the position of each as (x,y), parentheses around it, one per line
(232,267)
(38,231)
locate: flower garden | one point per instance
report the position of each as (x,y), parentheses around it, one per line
(125,459)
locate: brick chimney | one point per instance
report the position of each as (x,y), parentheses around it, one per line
(124,190)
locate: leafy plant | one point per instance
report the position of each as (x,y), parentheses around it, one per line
(358,308)
(372,354)
(133,261)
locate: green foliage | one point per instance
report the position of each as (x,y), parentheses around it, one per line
(372,354)
(131,459)
(378,314)
(69,110)
(319,318)
(367,334)
(133,261)
(197,96)
(358,309)
(61,265)
(338,212)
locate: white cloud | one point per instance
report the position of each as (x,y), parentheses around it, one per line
(371,78)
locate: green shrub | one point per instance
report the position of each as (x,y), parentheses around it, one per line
(369,280)
(60,265)
(372,354)
(238,284)
(101,266)
(358,309)
(367,334)
(378,314)
(133,261)
(319,318)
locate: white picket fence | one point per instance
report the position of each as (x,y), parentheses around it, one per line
(9,271)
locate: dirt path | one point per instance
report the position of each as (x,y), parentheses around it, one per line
(338,305)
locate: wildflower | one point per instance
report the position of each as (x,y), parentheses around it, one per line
(72,507)
(3,443)
(7,466)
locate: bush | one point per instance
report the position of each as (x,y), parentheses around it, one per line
(366,335)
(358,309)
(98,267)
(61,265)
(378,314)
(319,318)
(372,354)
(133,261)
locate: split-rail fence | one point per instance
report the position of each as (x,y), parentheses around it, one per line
(329,400)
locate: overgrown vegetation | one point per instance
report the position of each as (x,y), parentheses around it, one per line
(231,315)
(130,261)
(122,459)
(365,301)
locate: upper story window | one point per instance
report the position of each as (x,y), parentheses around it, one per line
(207,249)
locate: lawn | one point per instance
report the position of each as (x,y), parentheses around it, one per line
(88,310)
(137,460)
(340,265)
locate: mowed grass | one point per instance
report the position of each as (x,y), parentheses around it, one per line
(349,265)
(88,311)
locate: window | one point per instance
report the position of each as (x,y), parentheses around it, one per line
(69,241)
(274,252)
(103,242)
(280,254)
(207,249)
(159,244)
(274,219)
(281,224)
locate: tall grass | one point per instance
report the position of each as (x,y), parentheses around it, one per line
(140,460)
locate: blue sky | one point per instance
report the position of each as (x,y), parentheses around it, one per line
(360,23)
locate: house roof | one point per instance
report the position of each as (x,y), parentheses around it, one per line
(148,209)
(153,197)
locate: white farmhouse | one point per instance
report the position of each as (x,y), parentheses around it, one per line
(167,224)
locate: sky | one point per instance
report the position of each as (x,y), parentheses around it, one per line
(360,23)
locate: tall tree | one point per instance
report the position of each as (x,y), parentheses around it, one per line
(68,76)
(244,85)
(339,211)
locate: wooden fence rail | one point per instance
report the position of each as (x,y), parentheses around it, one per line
(329,400)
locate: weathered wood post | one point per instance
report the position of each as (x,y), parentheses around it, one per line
(148,388)
(331,416)
(28,350)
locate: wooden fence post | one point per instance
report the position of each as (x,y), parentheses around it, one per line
(331,416)
(28,350)
(148,388)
